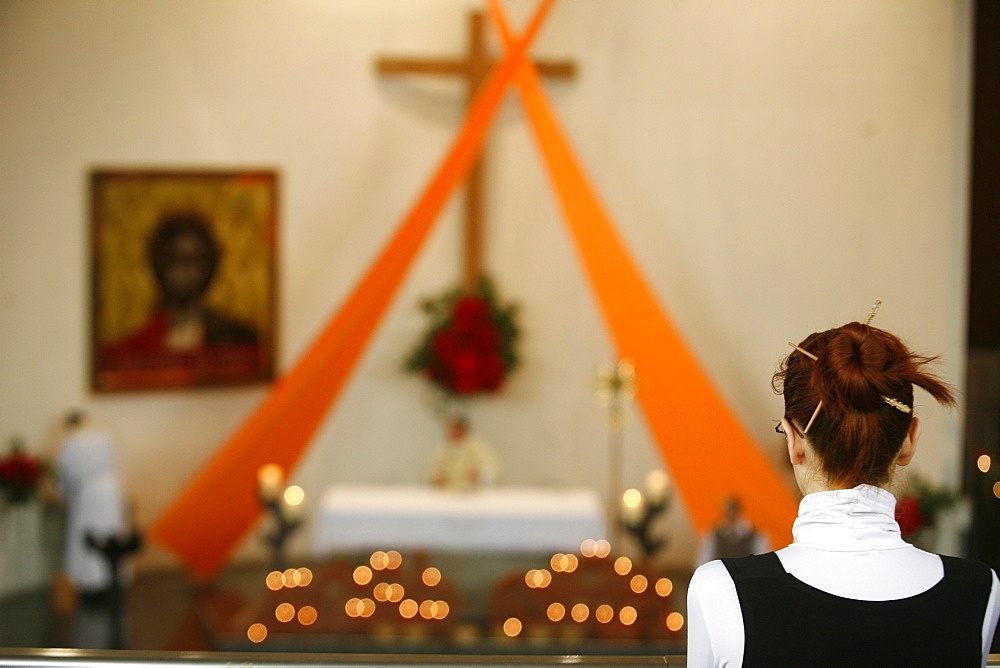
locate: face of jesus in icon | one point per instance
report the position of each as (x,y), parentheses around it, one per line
(184,255)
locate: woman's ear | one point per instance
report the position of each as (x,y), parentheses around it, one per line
(909,447)
(795,442)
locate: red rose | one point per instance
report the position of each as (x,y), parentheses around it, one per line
(469,309)
(908,515)
(485,338)
(466,368)
(491,372)
(445,347)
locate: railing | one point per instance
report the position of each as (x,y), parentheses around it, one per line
(73,658)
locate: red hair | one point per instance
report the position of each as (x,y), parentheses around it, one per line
(856,434)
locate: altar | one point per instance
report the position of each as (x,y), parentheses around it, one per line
(493,519)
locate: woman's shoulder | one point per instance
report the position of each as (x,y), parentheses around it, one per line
(711,578)
(715,635)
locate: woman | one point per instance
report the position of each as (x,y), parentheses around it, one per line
(848,590)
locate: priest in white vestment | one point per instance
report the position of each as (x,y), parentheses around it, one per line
(464,461)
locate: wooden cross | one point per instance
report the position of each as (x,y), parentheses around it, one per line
(474,68)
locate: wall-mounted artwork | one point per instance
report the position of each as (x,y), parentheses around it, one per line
(183,278)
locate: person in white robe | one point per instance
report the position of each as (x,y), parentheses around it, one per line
(89,483)
(463,462)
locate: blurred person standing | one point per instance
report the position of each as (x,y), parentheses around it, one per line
(89,484)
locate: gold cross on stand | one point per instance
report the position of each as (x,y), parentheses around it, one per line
(474,68)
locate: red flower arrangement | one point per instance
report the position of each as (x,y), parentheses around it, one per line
(469,346)
(20,474)
(908,515)
(917,508)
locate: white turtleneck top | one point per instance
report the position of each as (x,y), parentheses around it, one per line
(845,542)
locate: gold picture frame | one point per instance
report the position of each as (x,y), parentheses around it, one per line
(183,287)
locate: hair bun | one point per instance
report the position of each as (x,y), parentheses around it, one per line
(857,368)
(848,372)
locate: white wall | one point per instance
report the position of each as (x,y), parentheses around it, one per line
(774,167)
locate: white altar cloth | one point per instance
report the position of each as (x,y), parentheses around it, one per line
(494,519)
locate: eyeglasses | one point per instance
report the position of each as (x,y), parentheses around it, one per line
(781,430)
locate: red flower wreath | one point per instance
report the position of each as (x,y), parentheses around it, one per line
(469,346)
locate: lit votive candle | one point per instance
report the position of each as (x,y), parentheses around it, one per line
(269,481)
(657,484)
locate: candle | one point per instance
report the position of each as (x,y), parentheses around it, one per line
(632,506)
(269,480)
(293,497)
(657,483)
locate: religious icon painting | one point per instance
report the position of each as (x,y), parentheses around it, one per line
(183,278)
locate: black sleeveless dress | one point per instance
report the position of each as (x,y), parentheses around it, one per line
(789,623)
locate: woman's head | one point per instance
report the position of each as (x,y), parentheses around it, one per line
(864,377)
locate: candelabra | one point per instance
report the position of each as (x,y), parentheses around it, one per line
(616,387)
(639,511)
(284,504)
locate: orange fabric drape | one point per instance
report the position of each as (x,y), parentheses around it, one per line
(708,451)
(216,509)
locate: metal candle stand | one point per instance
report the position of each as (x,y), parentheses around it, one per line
(109,604)
(283,529)
(114,549)
(641,527)
(283,502)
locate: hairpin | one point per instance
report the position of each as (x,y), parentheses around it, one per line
(820,404)
(897,404)
(871,314)
(803,351)
(810,423)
